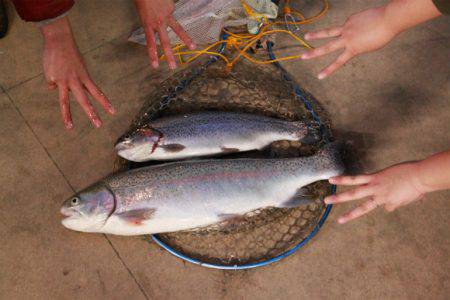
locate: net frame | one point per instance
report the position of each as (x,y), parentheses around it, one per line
(325,132)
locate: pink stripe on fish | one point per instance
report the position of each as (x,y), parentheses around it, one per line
(234,175)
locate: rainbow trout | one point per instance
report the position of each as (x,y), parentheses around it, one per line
(208,133)
(193,194)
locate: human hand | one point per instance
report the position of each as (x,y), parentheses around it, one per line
(64,68)
(156,16)
(363,32)
(392,187)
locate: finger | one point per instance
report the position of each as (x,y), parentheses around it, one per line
(98,95)
(350,180)
(82,99)
(151,47)
(390,207)
(65,106)
(165,43)
(327,33)
(339,62)
(358,212)
(325,49)
(179,30)
(358,193)
(51,85)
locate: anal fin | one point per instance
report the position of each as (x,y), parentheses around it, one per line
(300,198)
(224,217)
(229,150)
(230,221)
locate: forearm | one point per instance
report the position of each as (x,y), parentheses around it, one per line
(403,14)
(433,173)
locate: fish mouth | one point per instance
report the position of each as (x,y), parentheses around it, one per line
(122,146)
(125,150)
(128,155)
(68,212)
(75,220)
(137,152)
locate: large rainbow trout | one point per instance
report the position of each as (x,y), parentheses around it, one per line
(192,194)
(208,133)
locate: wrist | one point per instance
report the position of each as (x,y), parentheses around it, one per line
(419,181)
(57,30)
(393,17)
(404,14)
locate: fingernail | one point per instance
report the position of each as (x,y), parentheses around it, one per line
(341,220)
(112,110)
(69,125)
(97,123)
(331,180)
(192,46)
(172,65)
(155,64)
(306,36)
(321,76)
(304,56)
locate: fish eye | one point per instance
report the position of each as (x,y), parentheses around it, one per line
(75,201)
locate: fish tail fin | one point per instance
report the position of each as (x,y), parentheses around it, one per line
(329,159)
(312,136)
(309,132)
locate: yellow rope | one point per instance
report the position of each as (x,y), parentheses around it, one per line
(242,42)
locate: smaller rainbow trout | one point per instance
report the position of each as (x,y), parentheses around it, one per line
(208,133)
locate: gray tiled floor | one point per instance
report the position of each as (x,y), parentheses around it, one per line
(38,258)
(397,100)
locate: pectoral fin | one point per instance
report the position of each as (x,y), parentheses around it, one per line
(137,216)
(172,147)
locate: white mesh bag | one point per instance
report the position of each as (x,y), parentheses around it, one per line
(203,20)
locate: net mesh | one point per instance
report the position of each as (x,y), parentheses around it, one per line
(260,234)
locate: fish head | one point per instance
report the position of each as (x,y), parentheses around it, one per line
(89,210)
(139,145)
